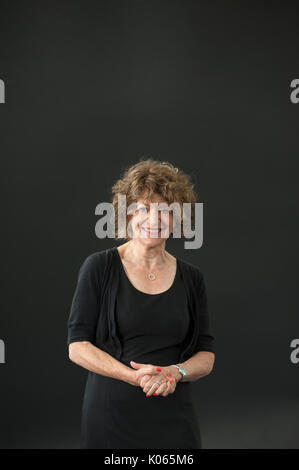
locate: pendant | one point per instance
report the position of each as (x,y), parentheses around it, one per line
(151,276)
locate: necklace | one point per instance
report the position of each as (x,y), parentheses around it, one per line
(152,276)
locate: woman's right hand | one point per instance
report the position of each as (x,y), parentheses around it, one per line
(163,390)
(167,384)
(145,372)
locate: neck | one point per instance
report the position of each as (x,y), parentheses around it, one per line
(146,257)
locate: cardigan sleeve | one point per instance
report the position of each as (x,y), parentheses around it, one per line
(85,306)
(205,341)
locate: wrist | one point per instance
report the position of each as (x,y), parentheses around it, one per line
(129,376)
(181,371)
(176,373)
(180,376)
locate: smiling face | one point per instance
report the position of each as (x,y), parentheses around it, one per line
(151,223)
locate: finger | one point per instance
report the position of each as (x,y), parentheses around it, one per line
(137,365)
(144,380)
(149,369)
(143,376)
(172,386)
(151,388)
(161,388)
(154,380)
(166,391)
(156,369)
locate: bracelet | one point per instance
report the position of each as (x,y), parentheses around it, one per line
(181,369)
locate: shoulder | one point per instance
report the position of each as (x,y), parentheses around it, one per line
(195,282)
(191,271)
(101,255)
(97,261)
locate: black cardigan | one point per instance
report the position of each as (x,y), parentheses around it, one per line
(92,313)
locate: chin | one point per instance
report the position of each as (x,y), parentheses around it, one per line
(151,240)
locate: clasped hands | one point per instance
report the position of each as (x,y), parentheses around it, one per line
(145,376)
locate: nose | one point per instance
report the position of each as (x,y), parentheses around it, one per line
(154,217)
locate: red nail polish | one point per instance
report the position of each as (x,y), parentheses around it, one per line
(158,369)
(155,394)
(147,395)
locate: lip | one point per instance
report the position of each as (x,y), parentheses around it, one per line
(157,230)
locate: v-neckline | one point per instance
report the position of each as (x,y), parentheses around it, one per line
(140,291)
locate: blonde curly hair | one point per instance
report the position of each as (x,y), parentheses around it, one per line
(149,176)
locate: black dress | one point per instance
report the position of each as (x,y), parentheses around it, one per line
(118,415)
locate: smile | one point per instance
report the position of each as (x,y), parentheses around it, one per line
(156,230)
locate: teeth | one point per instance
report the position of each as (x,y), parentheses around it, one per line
(152,231)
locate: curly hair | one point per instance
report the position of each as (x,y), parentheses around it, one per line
(149,176)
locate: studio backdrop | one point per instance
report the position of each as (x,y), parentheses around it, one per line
(86,90)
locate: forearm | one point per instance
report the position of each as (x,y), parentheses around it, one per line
(198,366)
(86,355)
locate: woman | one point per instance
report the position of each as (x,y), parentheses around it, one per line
(139,324)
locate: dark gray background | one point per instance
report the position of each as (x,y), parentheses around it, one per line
(92,86)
